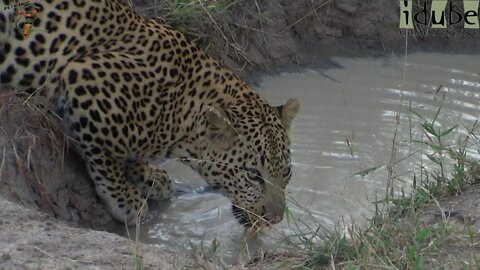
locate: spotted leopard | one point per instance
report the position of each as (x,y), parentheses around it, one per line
(131,90)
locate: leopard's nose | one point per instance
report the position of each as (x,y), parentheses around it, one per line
(275,205)
(274,211)
(273,218)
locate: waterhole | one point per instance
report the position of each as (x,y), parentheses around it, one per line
(343,144)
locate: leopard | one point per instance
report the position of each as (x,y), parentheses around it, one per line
(131,90)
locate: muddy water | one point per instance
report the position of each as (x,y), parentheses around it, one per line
(347,124)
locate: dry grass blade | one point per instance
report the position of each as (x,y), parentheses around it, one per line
(305,16)
(232,44)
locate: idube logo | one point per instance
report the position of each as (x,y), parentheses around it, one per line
(441,14)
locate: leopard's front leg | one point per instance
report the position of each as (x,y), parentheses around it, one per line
(153,182)
(124,200)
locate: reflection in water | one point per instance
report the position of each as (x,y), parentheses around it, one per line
(345,126)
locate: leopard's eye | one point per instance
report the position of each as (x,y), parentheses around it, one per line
(287,172)
(255,175)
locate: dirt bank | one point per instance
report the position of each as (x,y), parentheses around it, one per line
(251,36)
(460,214)
(30,239)
(39,171)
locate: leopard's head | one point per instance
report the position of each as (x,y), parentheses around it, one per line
(245,154)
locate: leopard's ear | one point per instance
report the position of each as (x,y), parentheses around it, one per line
(220,131)
(288,111)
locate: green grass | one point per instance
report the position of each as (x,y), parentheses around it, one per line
(397,237)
